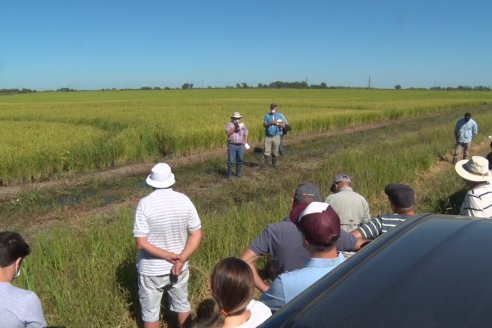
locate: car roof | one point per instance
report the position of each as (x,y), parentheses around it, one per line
(430,271)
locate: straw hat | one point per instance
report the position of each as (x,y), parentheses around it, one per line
(161,176)
(475,169)
(236,115)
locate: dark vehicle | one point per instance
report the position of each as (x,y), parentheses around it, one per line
(430,271)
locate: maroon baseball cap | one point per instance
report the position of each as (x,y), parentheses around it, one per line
(318,222)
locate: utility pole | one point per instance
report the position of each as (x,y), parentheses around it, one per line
(369,86)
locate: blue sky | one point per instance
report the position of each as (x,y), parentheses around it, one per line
(94,44)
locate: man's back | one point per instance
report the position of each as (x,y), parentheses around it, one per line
(284,243)
(478,202)
(351,207)
(164,217)
(19,308)
(381,224)
(290,284)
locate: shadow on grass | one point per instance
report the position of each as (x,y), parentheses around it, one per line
(451,204)
(127,280)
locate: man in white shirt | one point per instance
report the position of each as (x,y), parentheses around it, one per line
(478,200)
(167,232)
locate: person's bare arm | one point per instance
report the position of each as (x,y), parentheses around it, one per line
(144,245)
(194,240)
(250,257)
(360,240)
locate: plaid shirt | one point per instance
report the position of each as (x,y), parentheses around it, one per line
(237,137)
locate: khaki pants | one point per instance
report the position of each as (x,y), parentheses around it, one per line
(461,147)
(271,145)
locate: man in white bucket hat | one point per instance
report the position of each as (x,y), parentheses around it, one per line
(478,200)
(167,232)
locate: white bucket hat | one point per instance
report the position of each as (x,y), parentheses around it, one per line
(475,169)
(161,176)
(236,115)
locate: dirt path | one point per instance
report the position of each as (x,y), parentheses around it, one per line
(9,192)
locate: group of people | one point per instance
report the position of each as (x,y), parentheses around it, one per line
(313,238)
(276,126)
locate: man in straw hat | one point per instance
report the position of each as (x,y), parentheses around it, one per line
(237,137)
(167,232)
(478,200)
(320,228)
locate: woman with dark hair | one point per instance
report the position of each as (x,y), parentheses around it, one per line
(233,289)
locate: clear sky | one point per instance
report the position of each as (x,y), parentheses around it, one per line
(94,44)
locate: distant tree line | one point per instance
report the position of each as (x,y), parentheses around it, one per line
(272,85)
(12,91)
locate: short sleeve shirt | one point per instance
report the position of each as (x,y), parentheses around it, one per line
(20,308)
(165,217)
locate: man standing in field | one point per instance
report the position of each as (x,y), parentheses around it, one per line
(167,232)
(478,200)
(464,131)
(237,137)
(402,200)
(351,207)
(274,123)
(18,307)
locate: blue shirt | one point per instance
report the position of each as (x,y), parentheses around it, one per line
(274,130)
(290,284)
(465,131)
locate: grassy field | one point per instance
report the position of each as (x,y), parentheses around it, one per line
(83,262)
(45,135)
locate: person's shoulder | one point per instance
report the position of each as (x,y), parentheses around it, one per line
(18,293)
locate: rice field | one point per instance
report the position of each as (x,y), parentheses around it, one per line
(46,135)
(83,267)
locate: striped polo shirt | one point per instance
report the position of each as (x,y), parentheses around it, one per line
(165,217)
(381,224)
(478,202)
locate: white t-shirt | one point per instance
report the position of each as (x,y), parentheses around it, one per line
(259,313)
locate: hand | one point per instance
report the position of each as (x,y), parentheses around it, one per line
(177,268)
(172,257)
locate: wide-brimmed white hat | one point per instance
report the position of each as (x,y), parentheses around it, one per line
(160,176)
(236,115)
(474,169)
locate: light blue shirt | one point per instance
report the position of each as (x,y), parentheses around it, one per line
(290,284)
(274,130)
(465,131)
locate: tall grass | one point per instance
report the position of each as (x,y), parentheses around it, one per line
(47,134)
(85,274)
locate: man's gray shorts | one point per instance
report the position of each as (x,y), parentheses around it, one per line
(151,288)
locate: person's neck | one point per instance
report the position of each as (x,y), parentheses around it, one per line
(236,320)
(331,253)
(405,211)
(6,274)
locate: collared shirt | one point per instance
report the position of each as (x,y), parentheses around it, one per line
(381,224)
(165,217)
(237,137)
(351,207)
(465,131)
(478,202)
(290,284)
(274,130)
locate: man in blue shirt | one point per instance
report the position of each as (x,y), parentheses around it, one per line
(274,123)
(464,131)
(320,227)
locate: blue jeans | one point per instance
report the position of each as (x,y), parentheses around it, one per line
(234,155)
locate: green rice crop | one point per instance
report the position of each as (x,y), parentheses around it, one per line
(49,134)
(85,274)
